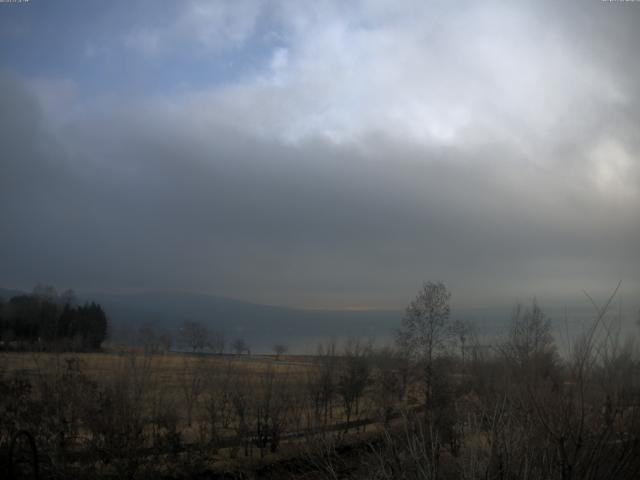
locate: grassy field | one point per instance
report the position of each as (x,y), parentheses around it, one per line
(174,381)
(233,407)
(126,414)
(169,368)
(172,377)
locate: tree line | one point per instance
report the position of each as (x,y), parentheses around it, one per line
(194,337)
(46,320)
(437,404)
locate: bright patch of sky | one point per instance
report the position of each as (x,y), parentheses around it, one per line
(137,47)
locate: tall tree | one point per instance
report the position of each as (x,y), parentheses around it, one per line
(426,330)
(531,347)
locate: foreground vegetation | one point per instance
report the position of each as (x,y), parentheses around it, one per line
(438,405)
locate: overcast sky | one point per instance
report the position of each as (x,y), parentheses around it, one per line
(321,154)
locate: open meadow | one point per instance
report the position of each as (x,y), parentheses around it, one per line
(515,410)
(179,408)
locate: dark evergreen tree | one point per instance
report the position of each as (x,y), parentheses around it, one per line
(47,320)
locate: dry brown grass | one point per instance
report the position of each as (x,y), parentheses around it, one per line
(164,374)
(167,366)
(165,379)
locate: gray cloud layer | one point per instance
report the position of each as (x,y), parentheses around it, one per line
(506,167)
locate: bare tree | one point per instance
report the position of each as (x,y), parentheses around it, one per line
(218,400)
(406,452)
(241,402)
(326,379)
(354,376)
(392,375)
(425,331)
(271,407)
(321,383)
(194,335)
(531,345)
(574,427)
(239,346)
(192,383)
(148,338)
(462,331)
(279,349)
(118,415)
(217,341)
(166,340)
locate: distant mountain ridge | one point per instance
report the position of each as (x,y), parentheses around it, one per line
(262,326)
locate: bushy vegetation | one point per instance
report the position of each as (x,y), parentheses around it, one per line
(45,320)
(437,405)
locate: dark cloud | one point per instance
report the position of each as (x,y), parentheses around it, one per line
(331,180)
(152,206)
